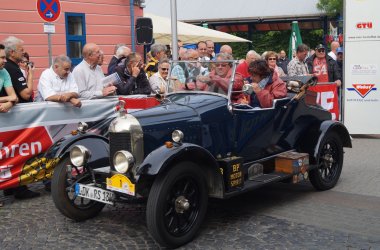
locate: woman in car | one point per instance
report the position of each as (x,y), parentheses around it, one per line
(267,86)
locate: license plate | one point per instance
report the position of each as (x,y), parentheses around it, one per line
(121,183)
(94,193)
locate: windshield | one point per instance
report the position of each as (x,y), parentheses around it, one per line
(208,76)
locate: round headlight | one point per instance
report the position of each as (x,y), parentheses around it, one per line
(79,155)
(177,136)
(82,127)
(123,160)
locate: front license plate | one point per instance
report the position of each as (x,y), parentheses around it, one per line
(94,193)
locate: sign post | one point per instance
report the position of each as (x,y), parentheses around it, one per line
(49,11)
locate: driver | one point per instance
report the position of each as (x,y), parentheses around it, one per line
(219,78)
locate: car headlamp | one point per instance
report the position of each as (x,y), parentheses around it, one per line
(123,160)
(177,136)
(79,155)
(82,127)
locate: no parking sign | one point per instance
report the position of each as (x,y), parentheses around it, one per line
(49,10)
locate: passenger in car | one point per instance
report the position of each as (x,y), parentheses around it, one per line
(133,78)
(267,86)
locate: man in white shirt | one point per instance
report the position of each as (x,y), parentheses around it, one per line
(89,75)
(57,84)
(334,46)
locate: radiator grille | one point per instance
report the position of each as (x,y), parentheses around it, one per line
(119,141)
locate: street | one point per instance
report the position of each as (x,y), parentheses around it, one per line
(280,216)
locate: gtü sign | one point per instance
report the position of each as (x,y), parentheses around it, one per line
(367,25)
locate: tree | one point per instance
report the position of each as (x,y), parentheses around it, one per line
(331,7)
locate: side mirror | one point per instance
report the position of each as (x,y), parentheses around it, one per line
(247,89)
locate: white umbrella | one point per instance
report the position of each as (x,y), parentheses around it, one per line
(187,33)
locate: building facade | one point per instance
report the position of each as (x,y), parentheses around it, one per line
(105,22)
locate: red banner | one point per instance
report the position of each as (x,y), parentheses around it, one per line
(328,98)
(16,147)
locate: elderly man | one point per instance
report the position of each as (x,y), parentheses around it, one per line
(297,66)
(242,68)
(89,75)
(57,84)
(8,97)
(157,51)
(324,67)
(133,77)
(121,52)
(14,50)
(226,49)
(283,61)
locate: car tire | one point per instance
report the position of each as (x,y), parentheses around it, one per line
(330,163)
(177,204)
(65,200)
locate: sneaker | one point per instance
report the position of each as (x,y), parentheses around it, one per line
(26,194)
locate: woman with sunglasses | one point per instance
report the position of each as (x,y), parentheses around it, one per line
(271,58)
(159,80)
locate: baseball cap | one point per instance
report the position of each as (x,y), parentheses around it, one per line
(320,46)
(339,50)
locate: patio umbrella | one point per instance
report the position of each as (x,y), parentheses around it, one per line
(187,33)
(295,39)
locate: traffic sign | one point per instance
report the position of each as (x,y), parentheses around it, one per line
(49,10)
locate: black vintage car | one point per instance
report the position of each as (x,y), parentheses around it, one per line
(197,144)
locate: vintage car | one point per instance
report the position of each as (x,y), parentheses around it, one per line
(198,144)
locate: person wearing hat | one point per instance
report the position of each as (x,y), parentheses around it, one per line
(324,67)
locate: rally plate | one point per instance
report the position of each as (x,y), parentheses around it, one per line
(121,183)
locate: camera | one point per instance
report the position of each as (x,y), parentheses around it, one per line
(31,64)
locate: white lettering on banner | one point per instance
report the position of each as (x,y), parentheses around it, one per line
(24,149)
(326,100)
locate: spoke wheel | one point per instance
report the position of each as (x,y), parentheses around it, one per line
(63,192)
(177,204)
(330,162)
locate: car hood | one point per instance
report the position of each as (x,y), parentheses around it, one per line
(186,112)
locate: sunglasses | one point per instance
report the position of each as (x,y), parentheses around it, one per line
(272,59)
(321,50)
(165,69)
(221,65)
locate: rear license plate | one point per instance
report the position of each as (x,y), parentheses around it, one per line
(94,193)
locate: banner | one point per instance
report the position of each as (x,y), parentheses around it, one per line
(361,66)
(328,98)
(29,129)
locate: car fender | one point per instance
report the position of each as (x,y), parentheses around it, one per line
(96,144)
(333,126)
(163,158)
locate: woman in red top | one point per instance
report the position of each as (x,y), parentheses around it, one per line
(267,86)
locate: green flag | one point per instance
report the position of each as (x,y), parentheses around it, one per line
(295,39)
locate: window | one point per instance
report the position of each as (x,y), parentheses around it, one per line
(75,36)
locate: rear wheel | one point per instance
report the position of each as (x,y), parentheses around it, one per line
(177,204)
(63,192)
(330,163)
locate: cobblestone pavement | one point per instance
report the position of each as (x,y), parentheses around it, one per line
(280,216)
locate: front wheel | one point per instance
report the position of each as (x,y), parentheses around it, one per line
(177,204)
(62,190)
(330,163)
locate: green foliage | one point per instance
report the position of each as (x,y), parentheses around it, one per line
(331,7)
(274,40)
